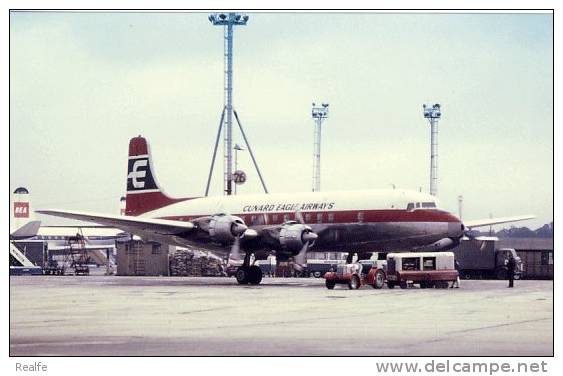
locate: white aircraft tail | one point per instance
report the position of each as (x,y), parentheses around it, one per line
(21,213)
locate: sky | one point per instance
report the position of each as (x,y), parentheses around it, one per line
(82,84)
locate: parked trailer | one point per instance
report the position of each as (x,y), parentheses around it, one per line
(480,259)
(427,269)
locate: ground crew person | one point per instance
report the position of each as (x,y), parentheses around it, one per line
(511,266)
(456,283)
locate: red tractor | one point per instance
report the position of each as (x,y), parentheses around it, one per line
(351,275)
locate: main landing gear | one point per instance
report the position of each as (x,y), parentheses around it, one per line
(248,274)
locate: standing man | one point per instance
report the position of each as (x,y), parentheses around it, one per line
(511,266)
(457,281)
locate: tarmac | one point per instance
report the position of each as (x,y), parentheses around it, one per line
(118,316)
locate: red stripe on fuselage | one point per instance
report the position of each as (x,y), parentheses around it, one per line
(343,216)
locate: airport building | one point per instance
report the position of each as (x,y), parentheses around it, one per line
(536,254)
(138,258)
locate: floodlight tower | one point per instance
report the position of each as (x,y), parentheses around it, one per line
(433,114)
(319,113)
(228,21)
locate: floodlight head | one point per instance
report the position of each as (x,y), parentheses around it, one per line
(432,111)
(222,19)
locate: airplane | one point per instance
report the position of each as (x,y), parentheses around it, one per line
(289,224)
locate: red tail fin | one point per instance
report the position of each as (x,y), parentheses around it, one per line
(143,192)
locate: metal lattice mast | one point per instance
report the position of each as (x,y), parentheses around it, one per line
(228,143)
(319,113)
(228,21)
(433,113)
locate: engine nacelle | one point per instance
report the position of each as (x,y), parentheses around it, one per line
(225,228)
(294,236)
(444,244)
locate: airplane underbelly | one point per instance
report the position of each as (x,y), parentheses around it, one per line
(378,235)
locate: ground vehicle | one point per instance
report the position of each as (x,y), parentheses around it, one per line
(317,268)
(428,269)
(351,275)
(81,269)
(53,268)
(480,259)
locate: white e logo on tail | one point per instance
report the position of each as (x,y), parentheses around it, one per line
(135,174)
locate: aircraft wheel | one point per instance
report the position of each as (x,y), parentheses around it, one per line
(379,279)
(354,283)
(254,275)
(330,284)
(317,274)
(242,275)
(390,285)
(403,285)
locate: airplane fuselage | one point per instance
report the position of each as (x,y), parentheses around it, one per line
(344,221)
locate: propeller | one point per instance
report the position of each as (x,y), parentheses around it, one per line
(471,235)
(235,250)
(308,237)
(247,233)
(300,260)
(299,217)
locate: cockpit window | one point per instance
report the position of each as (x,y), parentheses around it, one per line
(428,204)
(410,206)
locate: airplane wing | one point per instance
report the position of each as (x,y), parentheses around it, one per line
(495,221)
(134,225)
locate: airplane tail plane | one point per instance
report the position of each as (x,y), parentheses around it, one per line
(143,191)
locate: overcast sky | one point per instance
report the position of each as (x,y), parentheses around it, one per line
(83,84)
